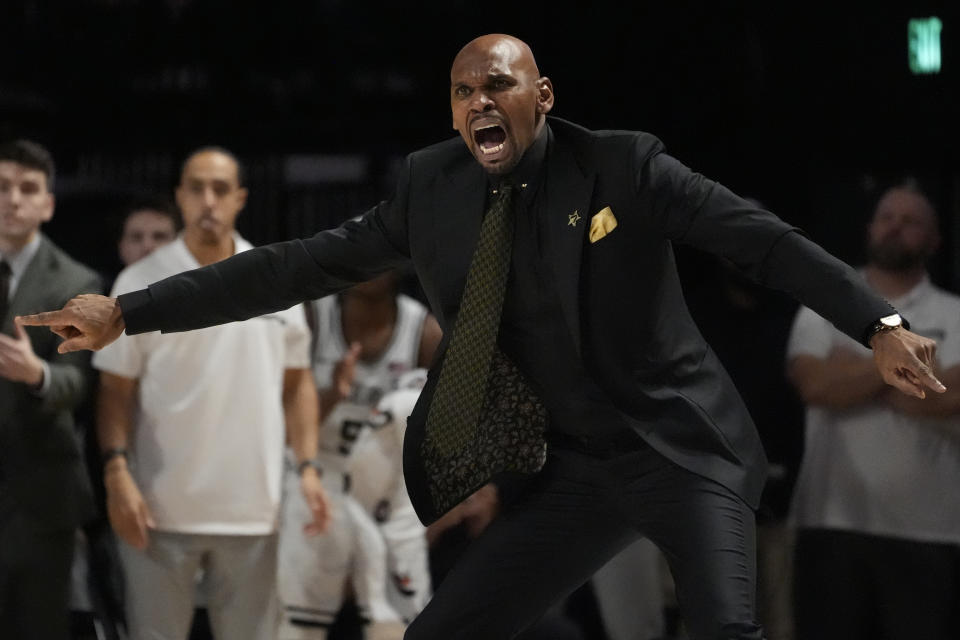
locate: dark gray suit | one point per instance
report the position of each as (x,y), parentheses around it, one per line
(620,299)
(45,488)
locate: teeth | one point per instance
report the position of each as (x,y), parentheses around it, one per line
(489,150)
(488,126)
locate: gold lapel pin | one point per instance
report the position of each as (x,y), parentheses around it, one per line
(573,218)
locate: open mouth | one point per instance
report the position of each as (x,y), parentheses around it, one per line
(490,139)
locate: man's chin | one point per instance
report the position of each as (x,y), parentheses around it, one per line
(498,166)
(896,259)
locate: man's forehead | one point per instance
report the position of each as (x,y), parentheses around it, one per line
(210,165)
(10,169)
(904,202)
(146,216)
(503,57)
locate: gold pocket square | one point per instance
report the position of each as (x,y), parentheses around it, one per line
(602,223)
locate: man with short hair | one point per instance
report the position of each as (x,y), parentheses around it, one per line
(203,418)
(878,541)
(145,228)
(568,327)
(44,491)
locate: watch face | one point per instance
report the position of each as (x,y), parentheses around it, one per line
(893,320)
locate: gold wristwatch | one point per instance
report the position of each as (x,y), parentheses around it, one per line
(886,323)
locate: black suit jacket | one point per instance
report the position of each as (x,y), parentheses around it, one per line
(39,453)
(620,295)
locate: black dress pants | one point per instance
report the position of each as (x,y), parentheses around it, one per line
(575,515)
(35,567)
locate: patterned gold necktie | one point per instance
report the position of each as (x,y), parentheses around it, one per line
(462,385)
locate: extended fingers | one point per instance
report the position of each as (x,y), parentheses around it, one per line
(353,353)
(143,521)
(907,382)
(319,509)
(65,331)
(46,318)
(77,343)
(929,380)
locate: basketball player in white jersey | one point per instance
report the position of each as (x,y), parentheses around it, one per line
(370,341)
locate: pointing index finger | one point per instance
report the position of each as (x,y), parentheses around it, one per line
(932,381)
(44,319)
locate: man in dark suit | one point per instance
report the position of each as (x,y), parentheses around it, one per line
(646,433)
(44,490)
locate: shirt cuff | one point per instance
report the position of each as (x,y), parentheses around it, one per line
(137,316)
(44,387)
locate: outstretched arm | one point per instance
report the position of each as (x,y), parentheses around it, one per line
(249,284)
(694,210)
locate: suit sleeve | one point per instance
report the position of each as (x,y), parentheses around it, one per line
(70,373)
(277,276)
(691,209)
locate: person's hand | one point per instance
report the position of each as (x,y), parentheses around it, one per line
(345,371)
(317,502)
(126,508)
(18,362)
(480,508)
(86,322)
(905,360)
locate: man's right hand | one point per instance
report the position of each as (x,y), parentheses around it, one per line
(86,322)
(345,372)
(126,508)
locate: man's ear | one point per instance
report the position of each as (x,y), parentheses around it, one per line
(50,206)
(544,95)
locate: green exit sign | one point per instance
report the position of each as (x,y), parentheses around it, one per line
(923,45)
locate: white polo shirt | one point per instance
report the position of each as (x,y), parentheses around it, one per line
(207,446)
(870,469)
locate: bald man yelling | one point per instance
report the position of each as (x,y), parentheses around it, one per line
(570,367)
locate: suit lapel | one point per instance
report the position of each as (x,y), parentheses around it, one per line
(567,216)
(36,279)
(459,211)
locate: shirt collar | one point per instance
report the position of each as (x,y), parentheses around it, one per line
(20,260)
(239,244)
(918,291)
(911,297)
(529,171)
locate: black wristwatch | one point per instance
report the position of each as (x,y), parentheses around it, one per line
(109,454)
(309,463)
(886,323)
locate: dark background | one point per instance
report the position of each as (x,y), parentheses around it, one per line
(809,108)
